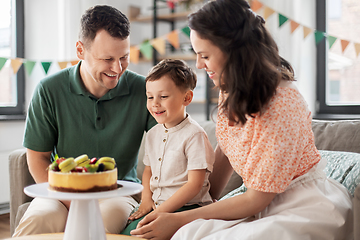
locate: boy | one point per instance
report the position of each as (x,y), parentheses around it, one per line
(178,155)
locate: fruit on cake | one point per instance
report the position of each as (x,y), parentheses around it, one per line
(83,174)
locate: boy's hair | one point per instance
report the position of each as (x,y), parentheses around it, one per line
(182,75)
(103,17)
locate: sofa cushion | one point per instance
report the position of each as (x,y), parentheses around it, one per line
(343,167)
(341,135)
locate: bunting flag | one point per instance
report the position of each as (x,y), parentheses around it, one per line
(306,31)
(331,40)
(357,48)
(293,25)
(319,35)
(2,62)
(16,64)
(159,44)
(134,54)
(173,38)
(46,66)
(282,19)
(63,65)
(268,12)
(73,63)
(186,31)
(256,5)
(146,50)
(29,66)
(344,44)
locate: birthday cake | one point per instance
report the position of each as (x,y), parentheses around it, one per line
(82,174)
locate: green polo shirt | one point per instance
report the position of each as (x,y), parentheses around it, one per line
(66,119)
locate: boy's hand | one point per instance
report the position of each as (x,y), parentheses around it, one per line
(144,208)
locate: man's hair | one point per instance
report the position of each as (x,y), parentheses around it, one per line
(182,75)
(103,17)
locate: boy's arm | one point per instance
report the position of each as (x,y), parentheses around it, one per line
(185,193)
(147,204)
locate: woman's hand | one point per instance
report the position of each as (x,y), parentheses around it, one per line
(144,208)
(158,226)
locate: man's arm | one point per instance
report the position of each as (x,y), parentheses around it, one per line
(38,163)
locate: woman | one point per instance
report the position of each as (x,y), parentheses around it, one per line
(264,134)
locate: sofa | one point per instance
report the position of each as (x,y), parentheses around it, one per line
(338,141)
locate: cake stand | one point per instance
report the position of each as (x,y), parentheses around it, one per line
(84,221)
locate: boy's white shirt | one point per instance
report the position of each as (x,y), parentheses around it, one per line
(171,153)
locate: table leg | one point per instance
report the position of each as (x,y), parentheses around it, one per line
(84,221)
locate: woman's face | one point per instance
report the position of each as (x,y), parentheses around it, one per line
(209,57)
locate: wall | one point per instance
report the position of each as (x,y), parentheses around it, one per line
(51,35)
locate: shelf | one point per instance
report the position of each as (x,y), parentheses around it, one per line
(134,16)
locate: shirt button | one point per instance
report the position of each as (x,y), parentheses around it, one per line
(156,178)
(159,159)
(166,131)
(164,140)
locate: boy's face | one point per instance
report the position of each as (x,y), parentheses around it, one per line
(166,102)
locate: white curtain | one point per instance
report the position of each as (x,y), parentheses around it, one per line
(300,52)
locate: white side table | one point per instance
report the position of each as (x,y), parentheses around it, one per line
(84,220)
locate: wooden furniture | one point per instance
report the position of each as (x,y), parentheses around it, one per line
(60,236)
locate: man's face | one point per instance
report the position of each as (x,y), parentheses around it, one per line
(105,59)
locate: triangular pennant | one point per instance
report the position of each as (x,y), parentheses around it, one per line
(344,44)
(16,64)
(29,66)
(293,25)
(74,62)
(146,49)
(159,44)
(268,12)
(2,62)
(331,40)
(173,38)
(63,65)
(186,31)
(282,19)
(357,48)
(134,55)
(307,31)
(255,5)
(319,35)
(46,66)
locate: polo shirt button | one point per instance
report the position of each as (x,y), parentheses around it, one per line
(164,140)
(98,118)
(159,159)
(166,131)
(156,178)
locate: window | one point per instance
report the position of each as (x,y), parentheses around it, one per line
(338,63)
(12,94)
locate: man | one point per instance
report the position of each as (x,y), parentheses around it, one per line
(98,108)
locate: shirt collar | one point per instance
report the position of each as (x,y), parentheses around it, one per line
(77,86)
(187,120)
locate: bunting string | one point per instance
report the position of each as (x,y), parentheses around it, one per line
(159,43)
(257,6)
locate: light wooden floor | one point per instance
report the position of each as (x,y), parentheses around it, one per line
(5,226)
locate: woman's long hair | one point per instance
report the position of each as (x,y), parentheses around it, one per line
(253,68)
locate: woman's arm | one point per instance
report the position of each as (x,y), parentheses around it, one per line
(221,173)
(187,192)
(163,226)
(147,204)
